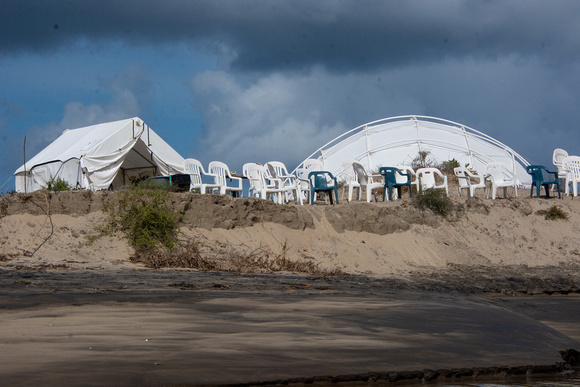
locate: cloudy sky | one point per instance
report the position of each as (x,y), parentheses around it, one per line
(256,80)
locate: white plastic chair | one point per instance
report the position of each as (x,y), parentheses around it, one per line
(221,173)
(350,179)
(572,165)
(366,181)
(256,175)
(245,173)
(289,183)
(302,178)
(195,170)
(558,160)
(501,177)
(427,179)
(403,179)
(464,177)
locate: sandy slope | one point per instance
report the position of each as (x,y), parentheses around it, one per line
(360,238)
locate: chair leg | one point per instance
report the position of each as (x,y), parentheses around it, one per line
(384,192)
(336,194)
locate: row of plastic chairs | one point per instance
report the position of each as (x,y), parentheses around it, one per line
(356,177)
(271,181)
(498,174)
(568,169)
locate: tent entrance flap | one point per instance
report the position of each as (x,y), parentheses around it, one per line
(134,175)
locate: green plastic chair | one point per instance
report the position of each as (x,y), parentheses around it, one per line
(319,183)
(390,175)
(539,173)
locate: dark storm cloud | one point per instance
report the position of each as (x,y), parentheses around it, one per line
(264,35)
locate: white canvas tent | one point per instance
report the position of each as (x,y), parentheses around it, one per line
(398,140)
(101,156)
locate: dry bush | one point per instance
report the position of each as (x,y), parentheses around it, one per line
(553,213)
(261,260)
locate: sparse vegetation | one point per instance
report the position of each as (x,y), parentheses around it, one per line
(434,199)
(260,260)
(422,160)
(143,214)
(57,184)
(554,213)
(447,167)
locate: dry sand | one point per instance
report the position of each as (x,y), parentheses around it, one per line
(495,285)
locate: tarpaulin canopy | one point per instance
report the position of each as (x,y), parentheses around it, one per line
(100,156)
(398,140)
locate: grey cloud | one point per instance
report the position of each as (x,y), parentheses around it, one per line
(287,116)
(263,35)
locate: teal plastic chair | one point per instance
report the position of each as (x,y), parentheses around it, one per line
(540,178)
(319,183)
(390,175)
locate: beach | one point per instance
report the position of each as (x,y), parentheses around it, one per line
(402,295)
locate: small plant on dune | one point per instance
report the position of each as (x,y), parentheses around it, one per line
(434,199)
(57,184)
(448,167)
(554,213)
(143,214)
(422,160)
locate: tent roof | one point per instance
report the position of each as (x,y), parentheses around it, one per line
(91,141)
(398,140)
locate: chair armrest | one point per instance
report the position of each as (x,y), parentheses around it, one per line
(239,179)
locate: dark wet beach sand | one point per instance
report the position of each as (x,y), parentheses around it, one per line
(179,327)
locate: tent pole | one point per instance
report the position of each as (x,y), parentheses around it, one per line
(24,156)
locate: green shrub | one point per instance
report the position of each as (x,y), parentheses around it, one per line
(434,199)
(143,214)
(57,184)
(447,167)
(554,213)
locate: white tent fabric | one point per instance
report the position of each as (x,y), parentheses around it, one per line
(398,140)
(100,156)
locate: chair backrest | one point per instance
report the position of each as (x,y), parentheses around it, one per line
(361,175)
(427,177)
(256,175)
(558,157)
(194,169)
(277,168)
(319,180)
(462,177)
(313,165)
(499,172)
(220,171)
(400,177)
(302,175)
(394,175)
(537,172)
(245,168)
(347,171)
(572,165)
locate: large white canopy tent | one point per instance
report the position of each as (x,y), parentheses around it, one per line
(398,140)
(99,157)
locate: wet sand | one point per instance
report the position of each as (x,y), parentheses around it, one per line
(179,327)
